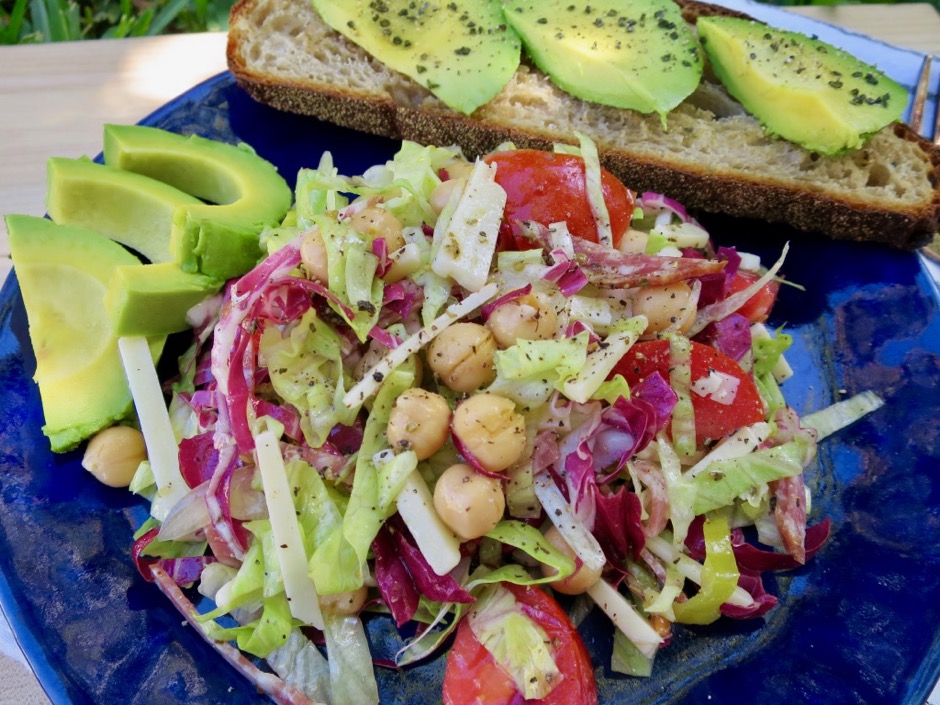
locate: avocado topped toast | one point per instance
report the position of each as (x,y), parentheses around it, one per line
(707,151)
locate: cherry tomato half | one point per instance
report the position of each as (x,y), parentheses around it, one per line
(712,419)
(549,188)
(474,678)
(758,306)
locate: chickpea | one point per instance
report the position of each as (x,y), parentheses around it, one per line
(442,194)
(345,603)
(462,356)
(313,255)
(667,306)
(113,455)
(527,318)
(376,222)
(419,421)
(469,503)
(491,430)
(577,582)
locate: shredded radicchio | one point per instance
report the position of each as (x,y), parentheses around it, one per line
(471,459)
(268,294)
(617,525)
(715,286)
(197,455)
(595,452)
(504,299)
(403,574)
(399,299)
(661,202)
(182,571)
(380,250)
(565,272)
(731,336)
(753,557)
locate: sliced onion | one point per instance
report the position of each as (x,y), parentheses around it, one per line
(187,517)
(658,200)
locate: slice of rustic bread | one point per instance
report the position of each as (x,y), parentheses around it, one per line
(710,155)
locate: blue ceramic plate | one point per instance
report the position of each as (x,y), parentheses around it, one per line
(860,624)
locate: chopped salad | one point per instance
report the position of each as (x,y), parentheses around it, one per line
(479,399)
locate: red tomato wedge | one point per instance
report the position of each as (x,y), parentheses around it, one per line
(474,678)
(549,188)
(712,419)
(757,309)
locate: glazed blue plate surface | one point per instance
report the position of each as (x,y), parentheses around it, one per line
(859,624)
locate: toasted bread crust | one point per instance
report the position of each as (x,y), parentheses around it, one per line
(907,226)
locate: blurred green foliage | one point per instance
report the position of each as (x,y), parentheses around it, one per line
(26,21)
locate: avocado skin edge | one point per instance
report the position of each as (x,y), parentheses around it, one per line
(221,240)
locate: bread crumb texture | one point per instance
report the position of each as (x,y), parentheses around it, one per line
(710,154)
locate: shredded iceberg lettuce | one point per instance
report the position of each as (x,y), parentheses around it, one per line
(844,413)
(306,370)
(725,480)
(516,642)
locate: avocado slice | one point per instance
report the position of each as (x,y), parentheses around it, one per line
(634,54)
(135,210)
(220,241)
(63,273)
(798,87)
(153,299)
(460,50)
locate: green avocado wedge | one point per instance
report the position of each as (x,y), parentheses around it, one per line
(243,194)
(135,210)
(63,272)
(460,50)
(153,299)
(635,54)
(800,88)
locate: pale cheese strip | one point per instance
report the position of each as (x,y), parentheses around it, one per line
(291,556)
(465,243)
(162,449)
(437,543)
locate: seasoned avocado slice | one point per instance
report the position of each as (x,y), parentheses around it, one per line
(634,54)
(220,241)
(800,88)
(461,50)
(135,210)
(153,299)
(63,273)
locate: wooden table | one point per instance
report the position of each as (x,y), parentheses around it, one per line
(55,98)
